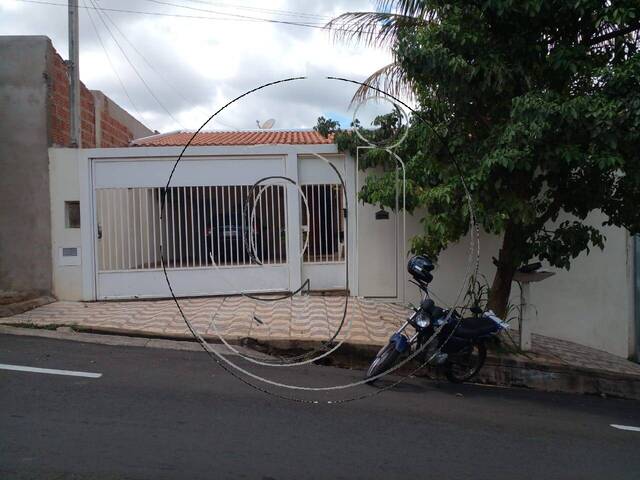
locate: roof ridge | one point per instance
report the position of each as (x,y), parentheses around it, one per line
(236,137)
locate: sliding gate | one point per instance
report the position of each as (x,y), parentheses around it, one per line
(210,244)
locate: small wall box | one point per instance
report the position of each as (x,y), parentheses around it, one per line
(68,256)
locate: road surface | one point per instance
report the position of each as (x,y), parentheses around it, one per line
(167,414)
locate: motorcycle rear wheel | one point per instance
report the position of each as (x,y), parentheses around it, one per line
(463,366)
(385,359)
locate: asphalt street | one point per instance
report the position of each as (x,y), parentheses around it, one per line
(167,414)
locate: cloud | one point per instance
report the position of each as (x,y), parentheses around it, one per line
(194,66)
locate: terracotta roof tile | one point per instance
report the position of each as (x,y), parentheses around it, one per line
(250,137)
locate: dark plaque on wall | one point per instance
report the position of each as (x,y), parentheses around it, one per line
(382,215)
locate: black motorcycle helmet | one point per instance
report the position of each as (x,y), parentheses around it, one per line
(419,267)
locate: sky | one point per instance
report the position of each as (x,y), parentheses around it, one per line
(193,66)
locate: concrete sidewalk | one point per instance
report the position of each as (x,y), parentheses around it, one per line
(301,322)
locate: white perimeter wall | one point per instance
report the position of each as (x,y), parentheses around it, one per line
(64,186)
(590,304)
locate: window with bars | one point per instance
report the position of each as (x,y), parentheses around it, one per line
(326,226)
(200,226)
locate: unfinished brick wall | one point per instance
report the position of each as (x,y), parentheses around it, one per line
(114,133)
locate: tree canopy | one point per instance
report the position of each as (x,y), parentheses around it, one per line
(539,103)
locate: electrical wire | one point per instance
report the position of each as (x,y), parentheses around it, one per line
(113,69)
(273,11)
(232,15)
(159,74)
(241,18)
(124,54)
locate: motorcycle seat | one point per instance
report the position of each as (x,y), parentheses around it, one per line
(473,327)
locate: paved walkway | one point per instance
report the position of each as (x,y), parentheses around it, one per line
(296,319)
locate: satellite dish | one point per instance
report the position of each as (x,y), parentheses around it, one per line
(267,124)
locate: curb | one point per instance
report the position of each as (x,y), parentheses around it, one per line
(498,370)
(118,340)
(26,305)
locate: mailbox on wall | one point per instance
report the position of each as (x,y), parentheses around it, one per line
(382,215)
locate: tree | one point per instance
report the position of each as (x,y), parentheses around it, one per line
(538,102)
(326,126)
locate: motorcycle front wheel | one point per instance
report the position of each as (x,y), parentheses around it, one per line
(462,366)
(385,359)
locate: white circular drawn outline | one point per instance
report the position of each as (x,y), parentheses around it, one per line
(210,350)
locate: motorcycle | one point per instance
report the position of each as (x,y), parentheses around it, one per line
(459,343)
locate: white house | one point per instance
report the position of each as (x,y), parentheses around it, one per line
(304,223)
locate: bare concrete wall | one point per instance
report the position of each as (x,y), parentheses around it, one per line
(25,220)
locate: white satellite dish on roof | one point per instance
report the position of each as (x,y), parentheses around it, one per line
(267,124)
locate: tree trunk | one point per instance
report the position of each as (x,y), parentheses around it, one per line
(508,262)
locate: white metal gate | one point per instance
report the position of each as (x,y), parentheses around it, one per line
(202,233)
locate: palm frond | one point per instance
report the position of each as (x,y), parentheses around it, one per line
(390,79)
(371,28)
(411,8)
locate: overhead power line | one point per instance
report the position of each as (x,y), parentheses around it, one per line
(175,89)
(133,67)
(270,11)
(113,69)
(234,15)
(228,16)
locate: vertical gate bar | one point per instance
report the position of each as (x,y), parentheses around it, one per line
(265,228)
(174,194)
(188,212)
(180,225)
(210,229)
(108,196)
(223,238)
(141,190)
(332,223)
(263,215)
(119,236)
(320,218)
(316,214)
(123,250)
(144,228)
(166,225)
(229,226)
(242,225)
(132,192)
(128,203)
(267,223)
(153,218)
(167,201)
(217,188)
(100,203)
(279,231)
(141,225)
(312,250)
(199,229)
(146,209)
(235,214)
(342,220)
(304,217)
(254,233)
(120,240)
(316,223)
(193,235)
(273,224)
(325,216)
(286,224)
